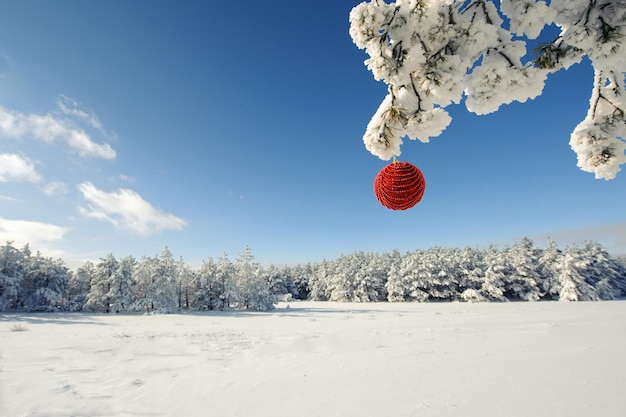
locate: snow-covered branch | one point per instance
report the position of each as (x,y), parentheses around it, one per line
(435,53)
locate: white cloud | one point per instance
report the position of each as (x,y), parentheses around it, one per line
(14,167)
(8,198)
(127,210)
(70,107)
(55,189)
(50,129)
(36,234)
(611,236)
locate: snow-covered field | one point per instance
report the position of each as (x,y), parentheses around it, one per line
(321,359)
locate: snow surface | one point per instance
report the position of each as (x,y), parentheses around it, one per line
(320,359)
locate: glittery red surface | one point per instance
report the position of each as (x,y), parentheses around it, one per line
(399,186)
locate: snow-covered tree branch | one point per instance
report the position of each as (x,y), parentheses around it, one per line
(433,53)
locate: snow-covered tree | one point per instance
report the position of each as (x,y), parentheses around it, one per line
(470,270)
(342,282)
(11,274)
(121,292)
(184,281)
(254,293)
(410,285)
(521,284)
(99,296)
(155,284)
(45,282)
(574,286)
(435,53)
(603,272)
(370,285)
(79,286)
(300,276)
(203,298)
(225,285)
(280,282)
(319,281)
(548,269)
(497,269)
(437,274)
(396,291)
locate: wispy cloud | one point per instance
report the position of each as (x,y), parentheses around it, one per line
(55,189)
(37,234)
(611,236)
(127,210)
(14,167)
(8,198)
(71,107)
(51,129)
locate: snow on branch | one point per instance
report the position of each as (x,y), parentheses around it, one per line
(433,53)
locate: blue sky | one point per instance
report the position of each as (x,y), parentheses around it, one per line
(208,126)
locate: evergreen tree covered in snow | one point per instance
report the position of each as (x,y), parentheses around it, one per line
(521,284)
(319,281)
(549,270)
(497,269)
(45,282)
(301,276)
(79,286)
(11,275)
(121,294)
(408,284)
(471,273)
(574,286)
(225,288)
(435,53)
(371,280)
(185,279)
(99,296)
(254,293)
(280,282)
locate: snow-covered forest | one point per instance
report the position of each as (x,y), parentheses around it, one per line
(521,272)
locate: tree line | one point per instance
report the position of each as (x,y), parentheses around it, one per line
(521,272)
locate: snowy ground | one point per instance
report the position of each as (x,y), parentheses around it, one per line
(321,359)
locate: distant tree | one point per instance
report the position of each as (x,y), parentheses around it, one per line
(603,272)
(497,269)
(164,292)
(185,280)
(410,286)
(573,268)
(371,279)
(437,274)
(99,296)
(319,281)
(79,286)
(550,262)
(280,282)
(396,291)
(225,289)
(11,275)
(121,293)
(341,284)
(521,283)
(45,283)
(301,276)
(471,273)
(202,297)
(254,293)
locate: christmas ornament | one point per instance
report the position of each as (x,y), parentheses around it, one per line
(399,185)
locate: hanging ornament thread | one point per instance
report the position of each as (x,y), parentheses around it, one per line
(399,185)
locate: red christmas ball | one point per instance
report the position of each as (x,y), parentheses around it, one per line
(399,185)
